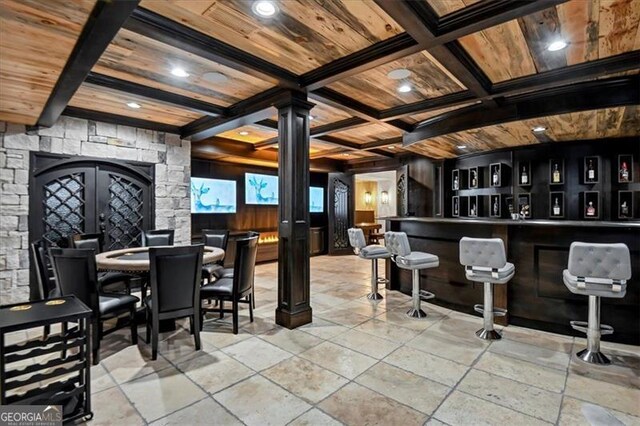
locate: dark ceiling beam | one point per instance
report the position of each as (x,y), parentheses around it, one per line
(219,148)
(427,105)
(167,31)
(123,120)
(354,107)
(338,126)
(105,20)
(381,143)
(245,112)
(591,95)
(380,53)
(328,152)
(155,94)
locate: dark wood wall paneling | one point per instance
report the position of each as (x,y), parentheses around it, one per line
(247,217)
(573,154)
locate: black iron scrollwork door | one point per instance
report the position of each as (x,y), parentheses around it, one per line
(340,212)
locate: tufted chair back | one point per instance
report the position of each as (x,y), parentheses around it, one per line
(482,252)
(397,243)
(606,261)
(356,238)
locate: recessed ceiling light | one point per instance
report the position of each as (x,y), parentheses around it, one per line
(312,117)
(134,105)
(539,129)
(345,154)
(215,77)
(392,147)
(399,74)
(404,88)
(179,72)
(264,8)
(462,147)
(243,133)
(557,45)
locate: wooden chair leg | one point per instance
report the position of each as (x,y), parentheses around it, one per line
(221,308)
(196,327)
(148,323)
(134,328)
(154,342)
(251,307)
(95,337)
(235,316)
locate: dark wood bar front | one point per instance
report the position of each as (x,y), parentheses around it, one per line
(536,297)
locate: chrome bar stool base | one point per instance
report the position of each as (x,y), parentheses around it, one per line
(485,334)
(416,313)
(374,296)
(593,357)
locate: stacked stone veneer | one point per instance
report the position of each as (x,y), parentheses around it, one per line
(72,136)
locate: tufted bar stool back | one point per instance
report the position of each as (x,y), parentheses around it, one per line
(485,261)
(370,252)
(596,270)
(398,244)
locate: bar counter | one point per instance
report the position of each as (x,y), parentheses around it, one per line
(536,297)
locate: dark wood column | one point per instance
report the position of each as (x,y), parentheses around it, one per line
(294,307)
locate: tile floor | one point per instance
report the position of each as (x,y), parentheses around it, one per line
(358,363)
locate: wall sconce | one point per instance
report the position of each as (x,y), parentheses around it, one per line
(384,197)
(367,198)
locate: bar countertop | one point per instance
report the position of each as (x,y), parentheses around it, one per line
(525,222)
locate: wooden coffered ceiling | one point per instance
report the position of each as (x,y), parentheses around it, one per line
(480,72)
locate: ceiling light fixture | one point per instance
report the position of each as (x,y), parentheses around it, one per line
(134,105)
(557,45)
(215,77)
(399,74)
(264,8)
(312,117)
(179,72)
(539,129)
(243,133)
(405,88)
(462,147)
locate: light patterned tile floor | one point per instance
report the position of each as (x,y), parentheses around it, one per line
(360,363)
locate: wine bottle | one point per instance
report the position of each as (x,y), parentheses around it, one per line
(455,208)
(624,172)
(496,176)
(624,209)
(591,173)
(524,177)
(556,208)
(496,207)
(591,211)
(456,183)
(556,174)
(474,179)
(473,210)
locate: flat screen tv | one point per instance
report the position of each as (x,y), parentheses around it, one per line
(316,199)
(261,189)
(213,195)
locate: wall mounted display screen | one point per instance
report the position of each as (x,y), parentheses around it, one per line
(261,189)
(213,195)
(316,199)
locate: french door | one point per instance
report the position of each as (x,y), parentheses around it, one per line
(74,195)
(341,205)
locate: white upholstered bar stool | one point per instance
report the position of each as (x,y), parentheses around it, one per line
(369,252)
(398,244)
(485,261)
(596,270)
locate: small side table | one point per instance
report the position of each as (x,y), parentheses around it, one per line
(73,391)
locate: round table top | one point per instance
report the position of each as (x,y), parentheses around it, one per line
(136,259)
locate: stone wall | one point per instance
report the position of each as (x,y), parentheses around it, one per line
(72,136)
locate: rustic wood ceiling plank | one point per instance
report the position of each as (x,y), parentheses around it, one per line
(105,21)
(540,29)
(618,26)
(579,25)
(444,7)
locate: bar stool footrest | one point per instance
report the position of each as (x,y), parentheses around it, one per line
(583,326)
(497,312)
(383,281)
(426,295)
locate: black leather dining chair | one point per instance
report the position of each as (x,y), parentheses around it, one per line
(214,238)
(47,287)
(174,275)
(75,273)
(109,281)
(239,288)
(157,237)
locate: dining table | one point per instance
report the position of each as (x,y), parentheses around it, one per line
(135,260)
